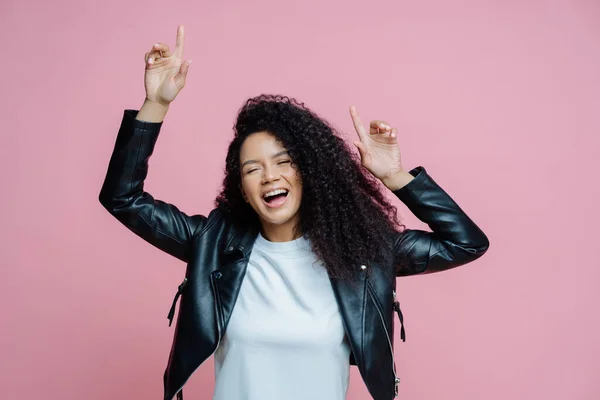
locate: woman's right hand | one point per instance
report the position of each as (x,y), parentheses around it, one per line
(165,71)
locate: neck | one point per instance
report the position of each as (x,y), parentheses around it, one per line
(285,232)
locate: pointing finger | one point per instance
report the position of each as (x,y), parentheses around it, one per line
(360,129)
(179,42)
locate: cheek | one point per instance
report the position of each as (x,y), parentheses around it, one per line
(297,178)
(244,188)
(248,188)
(294,179)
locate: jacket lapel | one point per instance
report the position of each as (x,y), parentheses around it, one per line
(232,270)
(351,297)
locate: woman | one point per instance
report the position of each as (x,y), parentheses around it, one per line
(291,278)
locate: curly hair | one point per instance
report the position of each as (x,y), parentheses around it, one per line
(343,212)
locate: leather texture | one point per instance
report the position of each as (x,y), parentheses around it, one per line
(216,253)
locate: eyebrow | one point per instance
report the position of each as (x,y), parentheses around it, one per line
(256,162)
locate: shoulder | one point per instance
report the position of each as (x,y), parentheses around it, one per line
(217,220)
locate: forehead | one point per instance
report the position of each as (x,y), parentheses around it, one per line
(260,144)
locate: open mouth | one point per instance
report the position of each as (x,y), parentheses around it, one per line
(275,198)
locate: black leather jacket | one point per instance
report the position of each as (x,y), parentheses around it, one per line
(217,254)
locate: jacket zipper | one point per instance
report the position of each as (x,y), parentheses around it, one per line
(218,318)
(218,312)
(400,317)
(396,379)
(179,292)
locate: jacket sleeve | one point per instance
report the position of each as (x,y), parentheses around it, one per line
(160,224)
(455,239)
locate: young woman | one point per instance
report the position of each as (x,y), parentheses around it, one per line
(291,278)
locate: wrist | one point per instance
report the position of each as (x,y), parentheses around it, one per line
(152,111)
(397,180)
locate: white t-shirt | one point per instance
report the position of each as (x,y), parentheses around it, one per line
(285,338)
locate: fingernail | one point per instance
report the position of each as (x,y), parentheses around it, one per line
(150,61)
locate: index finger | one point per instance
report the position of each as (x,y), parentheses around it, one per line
(179,42)
(360,129)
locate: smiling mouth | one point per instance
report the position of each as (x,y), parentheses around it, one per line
(276,200)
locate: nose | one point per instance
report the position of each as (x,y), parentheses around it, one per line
(269,175)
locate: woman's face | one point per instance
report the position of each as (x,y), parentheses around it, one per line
(270,183)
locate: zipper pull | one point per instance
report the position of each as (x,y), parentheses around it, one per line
(179,291)
(401,318)
(402,336)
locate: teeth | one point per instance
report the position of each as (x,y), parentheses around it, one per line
(274,192)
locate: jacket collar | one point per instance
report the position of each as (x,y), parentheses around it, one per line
(241,242)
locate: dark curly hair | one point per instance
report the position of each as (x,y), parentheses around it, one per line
(343,212)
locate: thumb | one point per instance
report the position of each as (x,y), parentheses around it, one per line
(182,74)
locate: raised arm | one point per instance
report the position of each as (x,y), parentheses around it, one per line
(455,239)
(122,193)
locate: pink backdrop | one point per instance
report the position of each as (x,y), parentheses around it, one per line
(498,100)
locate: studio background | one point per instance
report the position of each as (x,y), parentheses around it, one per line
(498,100)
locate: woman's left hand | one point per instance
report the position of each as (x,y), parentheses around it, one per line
(379,151)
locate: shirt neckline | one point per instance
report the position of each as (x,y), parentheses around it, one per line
(300,243)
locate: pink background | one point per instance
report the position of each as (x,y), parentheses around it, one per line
(498,100)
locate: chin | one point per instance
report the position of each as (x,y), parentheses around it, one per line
(277,221)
